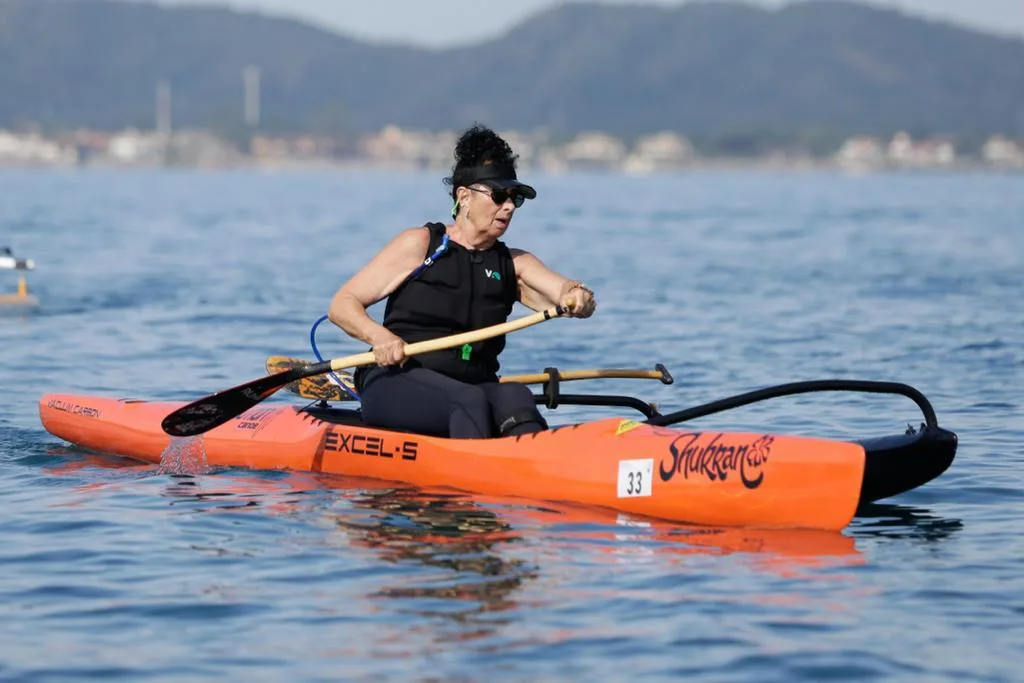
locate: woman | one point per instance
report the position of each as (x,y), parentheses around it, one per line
(445,279)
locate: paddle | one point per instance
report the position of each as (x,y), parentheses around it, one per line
(659,373)
(321,388)
(214,410)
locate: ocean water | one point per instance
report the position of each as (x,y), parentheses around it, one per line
(172,285)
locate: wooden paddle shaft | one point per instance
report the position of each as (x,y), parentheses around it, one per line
(568,375)
(454,340)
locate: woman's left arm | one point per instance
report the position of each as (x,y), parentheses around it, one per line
(541,288)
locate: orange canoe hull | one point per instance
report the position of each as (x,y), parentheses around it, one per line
(708,477)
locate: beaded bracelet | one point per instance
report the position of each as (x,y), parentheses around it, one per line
(576,284)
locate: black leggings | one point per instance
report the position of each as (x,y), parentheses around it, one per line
(427,402)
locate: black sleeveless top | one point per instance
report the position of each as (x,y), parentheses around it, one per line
(462,290)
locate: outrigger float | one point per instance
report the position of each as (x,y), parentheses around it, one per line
(642,466)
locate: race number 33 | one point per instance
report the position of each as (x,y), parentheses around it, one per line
(635,478)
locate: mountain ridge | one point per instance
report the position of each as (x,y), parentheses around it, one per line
(806,71)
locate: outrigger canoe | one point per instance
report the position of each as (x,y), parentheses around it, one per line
(638,466)
(642,467)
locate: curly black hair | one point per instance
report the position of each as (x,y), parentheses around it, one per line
(478,146)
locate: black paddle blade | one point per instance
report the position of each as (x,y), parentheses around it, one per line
(214,410)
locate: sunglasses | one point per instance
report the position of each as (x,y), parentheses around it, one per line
(500,196)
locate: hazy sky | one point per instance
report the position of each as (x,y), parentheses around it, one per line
(452,22)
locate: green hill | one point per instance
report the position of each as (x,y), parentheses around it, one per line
(714,71)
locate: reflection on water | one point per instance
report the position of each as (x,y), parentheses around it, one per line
(902,521)
(469,536)
(448,532)
(462,532)
(473,570)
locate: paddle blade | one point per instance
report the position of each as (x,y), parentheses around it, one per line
(317,387)
(214,410)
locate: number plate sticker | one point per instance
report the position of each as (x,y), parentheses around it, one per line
(635,478)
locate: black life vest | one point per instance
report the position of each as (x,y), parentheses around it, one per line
(462,290)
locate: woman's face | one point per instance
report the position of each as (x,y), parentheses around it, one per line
(488,217)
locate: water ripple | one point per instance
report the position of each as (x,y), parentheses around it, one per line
(170,285)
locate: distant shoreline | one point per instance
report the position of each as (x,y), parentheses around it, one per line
(710,166)
(394,148)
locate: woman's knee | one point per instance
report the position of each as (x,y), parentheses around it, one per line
(515,410)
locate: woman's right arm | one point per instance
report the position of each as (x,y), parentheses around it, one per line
(376,280)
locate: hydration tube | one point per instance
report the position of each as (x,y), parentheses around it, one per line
(316,352)
(427,262)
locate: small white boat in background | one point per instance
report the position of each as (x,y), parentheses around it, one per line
(20,300)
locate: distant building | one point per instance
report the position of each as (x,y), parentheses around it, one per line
(31,149)
(861,153)
(200,149)
(905,151)
(999,151)
(396,147)
(660,151)
(132,147)
(270,151)
(88,144)
(594,150)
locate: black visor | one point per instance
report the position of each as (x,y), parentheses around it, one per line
(497,176)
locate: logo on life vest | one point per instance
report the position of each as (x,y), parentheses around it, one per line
(492,274)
